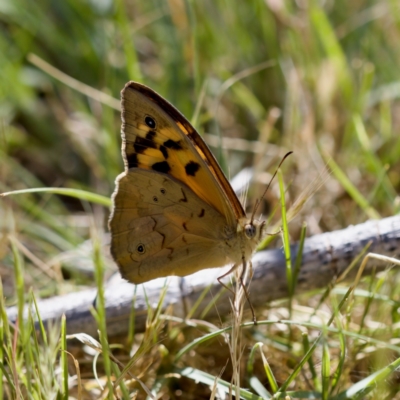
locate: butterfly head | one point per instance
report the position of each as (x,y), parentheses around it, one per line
(252,231)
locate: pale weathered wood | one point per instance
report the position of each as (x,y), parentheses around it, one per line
(324,257)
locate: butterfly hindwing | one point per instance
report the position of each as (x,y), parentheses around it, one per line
(160,228)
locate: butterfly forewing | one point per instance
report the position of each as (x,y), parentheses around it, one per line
(159,138)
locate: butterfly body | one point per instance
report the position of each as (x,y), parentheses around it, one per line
(174,211)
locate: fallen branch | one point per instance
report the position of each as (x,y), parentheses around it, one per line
(325,257)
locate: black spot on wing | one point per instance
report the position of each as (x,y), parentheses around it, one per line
(191,168)
(132,160)
(141,144)
(150,136)
(202,212)
(171,144)
(162,166)
(164,151)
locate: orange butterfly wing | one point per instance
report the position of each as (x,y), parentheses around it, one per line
(166,142)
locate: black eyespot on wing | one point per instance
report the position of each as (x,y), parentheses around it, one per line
(164,151)
(155,199)
(140,248)
(171,144)
(162,166)
(163,191)
(150,122)
(132,160)
(202,212)
(191,168)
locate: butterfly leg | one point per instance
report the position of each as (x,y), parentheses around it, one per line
(245,289)
(242,284)
(224,275)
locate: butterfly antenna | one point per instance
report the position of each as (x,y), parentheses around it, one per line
(258,201)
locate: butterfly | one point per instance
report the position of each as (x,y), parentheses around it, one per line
(174,211)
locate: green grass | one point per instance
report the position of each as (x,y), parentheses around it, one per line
(318,78)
